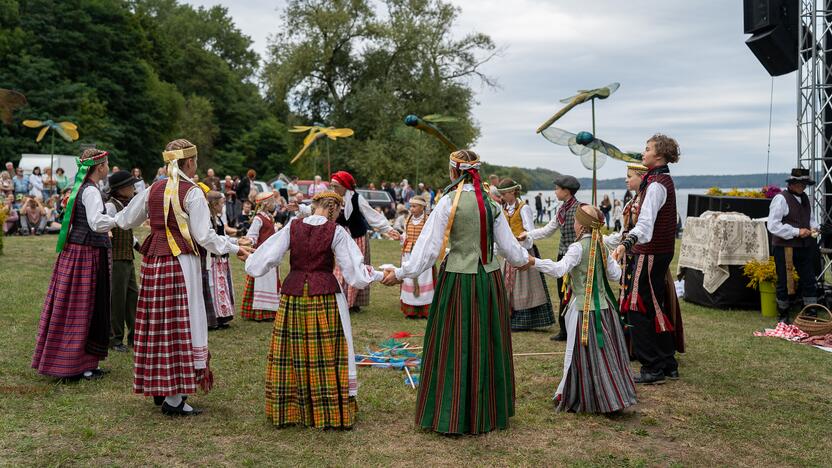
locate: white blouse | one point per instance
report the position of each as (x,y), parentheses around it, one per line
(570,260)
(347,255)
(94,206)
(426,250)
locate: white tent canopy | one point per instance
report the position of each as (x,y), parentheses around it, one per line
(30,161)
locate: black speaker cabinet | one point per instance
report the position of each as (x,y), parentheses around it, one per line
(776,49)
(752,207)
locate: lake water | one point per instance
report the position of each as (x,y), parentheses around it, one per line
(586,197)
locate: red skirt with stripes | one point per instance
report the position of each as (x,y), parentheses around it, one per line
(61,345)
(163,355)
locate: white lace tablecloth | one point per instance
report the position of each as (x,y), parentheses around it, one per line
(716,240)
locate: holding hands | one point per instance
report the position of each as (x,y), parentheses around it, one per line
(390,278)
(618,253)
(244,252)
(393,234)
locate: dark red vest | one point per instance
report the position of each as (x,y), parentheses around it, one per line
(266,228)
(156,244)
(799,216)
(664,229)
(311,260)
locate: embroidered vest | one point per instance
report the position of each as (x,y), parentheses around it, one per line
(79,231)
(515,220)
(567,230)
(412,232)
(156,244)
(664,229)
(578,278)
(799,216)
(356,225)
(266,228)
(122,238)
(464,241)
(311,260)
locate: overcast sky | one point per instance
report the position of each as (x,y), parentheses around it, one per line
(683,67)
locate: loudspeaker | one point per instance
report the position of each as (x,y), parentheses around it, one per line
(775,28)
(776,49)
(751,207)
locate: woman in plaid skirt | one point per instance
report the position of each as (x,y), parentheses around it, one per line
(261,296)
(528,295)
(74,330)
(311,377)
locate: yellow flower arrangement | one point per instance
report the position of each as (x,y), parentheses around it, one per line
(735,192)
(758,272)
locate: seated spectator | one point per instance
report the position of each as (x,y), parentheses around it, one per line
(54,214)
(401,218)
(6,185)
(244,219)
(33,217)
(10,226)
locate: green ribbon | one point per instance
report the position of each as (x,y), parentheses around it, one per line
(80,176)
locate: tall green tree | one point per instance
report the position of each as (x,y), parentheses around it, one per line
(363,65)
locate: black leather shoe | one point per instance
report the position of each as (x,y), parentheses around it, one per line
(672,375)
(355,309)
(158,400)
(169,410)
(95,374)
(119,348)
(649,378)
(558,337)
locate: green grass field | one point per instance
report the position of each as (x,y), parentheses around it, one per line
(741,401)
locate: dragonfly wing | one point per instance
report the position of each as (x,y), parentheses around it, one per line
(62,133)
(558,136)
(68,125)
(612,151)
(32,123)
(42,133)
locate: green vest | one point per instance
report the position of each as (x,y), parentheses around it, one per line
(464,240)
(578,278)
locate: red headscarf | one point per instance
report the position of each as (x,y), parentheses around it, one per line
(345,179)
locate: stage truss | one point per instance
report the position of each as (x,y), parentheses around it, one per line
(814,105)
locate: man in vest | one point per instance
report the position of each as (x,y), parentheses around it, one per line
(791,226)
(565,188)
(651,306)
(171,358)
(358,217)
(124,290)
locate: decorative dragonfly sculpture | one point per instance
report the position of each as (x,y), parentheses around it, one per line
(580,98)
(426,124)
(9,102)
(67,130)
(582,144)
(315,134)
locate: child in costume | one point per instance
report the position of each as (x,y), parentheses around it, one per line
(528,294)
(416,293)
(124,289)
(261,296)
(467,381)
(311,376)
(220,284)
(596,374)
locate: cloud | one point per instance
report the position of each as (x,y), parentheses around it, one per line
(683,67)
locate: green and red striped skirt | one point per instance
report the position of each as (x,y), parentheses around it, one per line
(467,370)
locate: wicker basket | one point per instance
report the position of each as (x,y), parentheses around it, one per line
(814,326)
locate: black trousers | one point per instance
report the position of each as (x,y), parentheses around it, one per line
(804,259)
(655,351)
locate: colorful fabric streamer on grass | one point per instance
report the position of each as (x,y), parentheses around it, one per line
(395,354)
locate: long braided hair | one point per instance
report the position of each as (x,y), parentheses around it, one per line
(331,205)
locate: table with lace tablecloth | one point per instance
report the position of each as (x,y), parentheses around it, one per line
(716,240)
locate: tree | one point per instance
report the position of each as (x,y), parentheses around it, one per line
(341,63)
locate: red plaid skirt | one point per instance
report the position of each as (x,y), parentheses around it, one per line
(65,317)
(163,353)
(356,297)
(246,310)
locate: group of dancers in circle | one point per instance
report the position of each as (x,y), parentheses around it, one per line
(489,282)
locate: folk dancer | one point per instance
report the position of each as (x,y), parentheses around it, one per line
(220,284)
(74,330)
(528,294)
(311,377)
(124,289)
(565,188)
(649,302)
(467,381)
(171,358)
(791,225)
(261,296)
(596,372)
(416,293)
